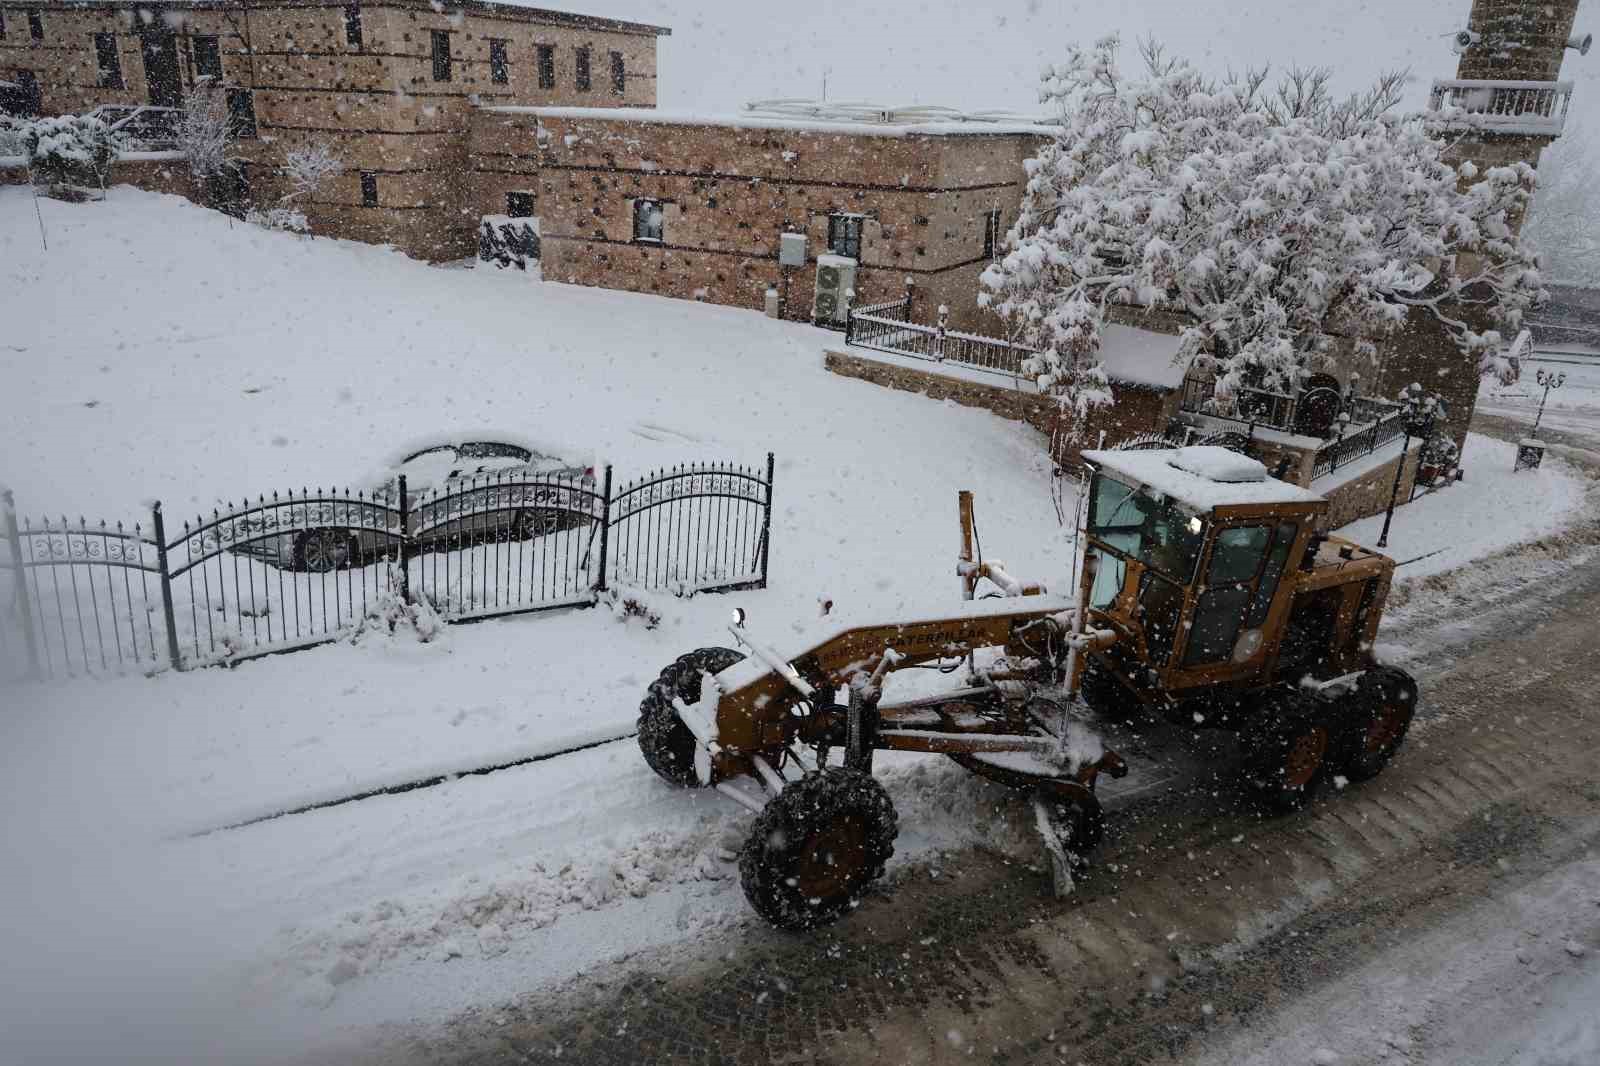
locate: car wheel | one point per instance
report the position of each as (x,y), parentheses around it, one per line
(322,550)
(531,524)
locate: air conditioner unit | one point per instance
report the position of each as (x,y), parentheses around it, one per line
(836,279)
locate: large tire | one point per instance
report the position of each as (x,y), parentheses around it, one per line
(816,847)
(1292,752)
(1385,702)
(320,551)
(666,742)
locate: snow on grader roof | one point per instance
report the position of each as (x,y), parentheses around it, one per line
(1201,476)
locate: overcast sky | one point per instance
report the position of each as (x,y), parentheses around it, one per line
(976,55)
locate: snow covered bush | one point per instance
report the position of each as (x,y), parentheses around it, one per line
(1269,221)
(507,241)
(629,604)
(288,219)
(390,615)
(70,151)
(308,169)
(11,129)
(204,136)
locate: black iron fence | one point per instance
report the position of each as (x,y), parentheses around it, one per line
(1362,441)
(888,328)
(302,568)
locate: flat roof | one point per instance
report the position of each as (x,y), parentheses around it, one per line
(495,7)
(745,120)
(1152,469)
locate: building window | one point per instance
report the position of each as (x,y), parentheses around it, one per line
(499,65)
(619,75)
(547,65)
(242,113)
(583,69)
(207,57)
(25,99)
(991,233)
(35,25)
(352,25)
(2,25)
(110,63)
(441,55)
(648,216)
(519,204)
(844,235)
(369,189)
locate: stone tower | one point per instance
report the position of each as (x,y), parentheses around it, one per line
(1508,79)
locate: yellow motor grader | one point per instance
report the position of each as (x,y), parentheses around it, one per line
(1205,595)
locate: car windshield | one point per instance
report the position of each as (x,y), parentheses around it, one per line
(1158,531)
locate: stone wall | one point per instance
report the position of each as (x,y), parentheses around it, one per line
(373,103)
(1367,494)
(730,190)
(1137,410)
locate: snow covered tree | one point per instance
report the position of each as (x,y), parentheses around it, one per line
(1274,222)
(1564,221)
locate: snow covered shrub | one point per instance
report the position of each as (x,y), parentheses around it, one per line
(390,615)
(629,604)
(308,169)
(507,241)
(1272,222)
(205,136)
(288,219)
(70,151)
(11,142)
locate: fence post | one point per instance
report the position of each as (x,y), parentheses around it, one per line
(14,539)
(166,586)
(766,525)
(405,540)
(850,325)
(605,530)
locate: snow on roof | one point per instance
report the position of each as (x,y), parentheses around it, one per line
(1140,356)
(1154,470)
(911,125)
(1218,464)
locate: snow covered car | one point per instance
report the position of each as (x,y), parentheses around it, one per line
(457,493)
(150,129)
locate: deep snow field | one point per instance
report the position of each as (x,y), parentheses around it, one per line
(160,351)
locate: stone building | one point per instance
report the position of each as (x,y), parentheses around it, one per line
(703,206)
(1507,83)
(387,85)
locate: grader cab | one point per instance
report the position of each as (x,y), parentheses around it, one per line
(1204,595)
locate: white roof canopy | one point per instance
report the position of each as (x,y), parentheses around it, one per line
(1162,470)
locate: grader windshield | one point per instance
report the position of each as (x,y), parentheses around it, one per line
(1131,523)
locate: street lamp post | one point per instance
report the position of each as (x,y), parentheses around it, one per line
(1530,450)
(1421,409)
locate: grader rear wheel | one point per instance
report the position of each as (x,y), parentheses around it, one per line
(816,846)
(665,741)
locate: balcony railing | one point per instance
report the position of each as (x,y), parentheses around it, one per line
(1525,107)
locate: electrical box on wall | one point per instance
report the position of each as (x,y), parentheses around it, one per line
(792,249)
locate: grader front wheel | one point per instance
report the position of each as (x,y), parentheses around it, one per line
(1386,700)
(665,741)
(816,847)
